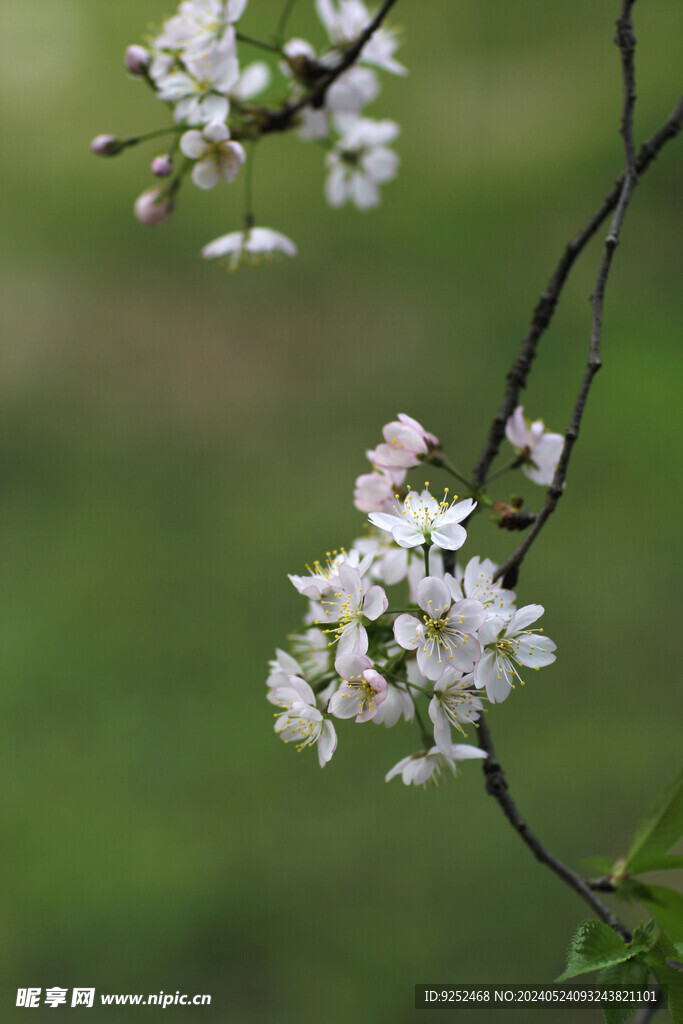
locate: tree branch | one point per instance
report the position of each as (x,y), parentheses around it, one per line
(619,199)
(626,43)
(545,308)
(280,120)
(497,787)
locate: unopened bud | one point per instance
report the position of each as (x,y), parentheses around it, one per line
(153,207)
(162,166)
(106,145)
(137,60)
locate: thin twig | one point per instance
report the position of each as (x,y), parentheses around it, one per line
(281,119)
(625,40)
(619,199)
(496,786)
(545,308)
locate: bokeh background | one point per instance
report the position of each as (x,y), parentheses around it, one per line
(174,440)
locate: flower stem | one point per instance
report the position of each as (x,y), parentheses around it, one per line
(426,548)
(426,738)
(261,44)
(515,464)
(443,463)
(284,18)
(134,139)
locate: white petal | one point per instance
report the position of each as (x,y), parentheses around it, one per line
(431,665)
(383,520)
(494,675)
(336,191)
(254,79)
(407,536)
(327,742)
(344,703)
(230,243)
(408,631)
(354,639)
(364,192)
(466,655)
(398,768)
(235,9)
(464,752)
(524,617)
(351,665)
(535,651)
(467,616)
(216,131)
(449,536)
(433,596)
(205,174)
(375,603)
(193,144)
(516,429)
(491,630)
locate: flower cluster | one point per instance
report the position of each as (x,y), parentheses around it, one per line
(394,629)
(194,65)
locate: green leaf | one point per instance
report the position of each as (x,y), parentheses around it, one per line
(661,826)
(669,978)
(600,865)
(658,862)
(667,909)
(633,891)
(632,972)
(595,945)
(665,904)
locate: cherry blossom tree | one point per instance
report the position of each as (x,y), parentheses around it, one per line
(396,630)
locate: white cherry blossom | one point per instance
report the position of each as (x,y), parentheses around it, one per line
(375,492)
(406,445)
(447,634)
(216,155)
(541,450)
(507,644)
(249,246)
(301,722)
(253,80)
(454,703)
(477,582)
(417,769)
(198,24)
(324,576)
(362,691)
(346,19)
(282,667)
(397,704)
(347,607)
(421,519)
(361,161)
(312,651)
(200,86)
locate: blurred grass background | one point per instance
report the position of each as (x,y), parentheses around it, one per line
(174,440)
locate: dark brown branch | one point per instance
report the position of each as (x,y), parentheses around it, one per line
(497,787)
(280,120)
(545,308)
(626,42)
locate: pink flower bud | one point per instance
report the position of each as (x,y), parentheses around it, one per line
(153,207)
(106,145)
(137,60)
(162,165)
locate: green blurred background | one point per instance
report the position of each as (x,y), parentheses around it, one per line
(175,440)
